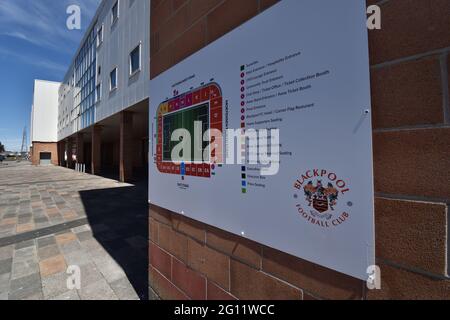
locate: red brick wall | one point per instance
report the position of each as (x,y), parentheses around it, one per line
(179,28)
(39,147)
(410,95)
(410,72)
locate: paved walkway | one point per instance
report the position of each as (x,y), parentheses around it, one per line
(52,218)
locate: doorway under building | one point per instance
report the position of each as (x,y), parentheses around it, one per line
(116,147)
(45,158)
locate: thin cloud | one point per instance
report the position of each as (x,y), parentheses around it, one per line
(12,144)
(34,32)
(43,23)
(21,36)
(34,61)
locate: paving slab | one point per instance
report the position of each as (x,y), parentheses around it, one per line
(25,287)
(48,252)
(54,285)
(24,254)
(110,270)
(46,241)
(5,266)
(24,244)
(90,274)
(70,247)
(4,282)
(78,258)
(52,218)
(99,290)
(23,268)
(52,266)
(84,236)
(69,295)
(124,290)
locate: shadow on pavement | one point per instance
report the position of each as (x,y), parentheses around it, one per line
(119,221)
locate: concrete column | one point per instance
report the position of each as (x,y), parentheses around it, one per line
(59,152)
(96,150)
(126,146)
(69,161)
(64,153)
(62,150)
(80,147)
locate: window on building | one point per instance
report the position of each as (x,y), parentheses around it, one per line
(100,36)
(99,72)
(135,60)
(114,12)
(113,79)
(98,92)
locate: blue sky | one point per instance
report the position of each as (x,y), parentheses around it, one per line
(34,44)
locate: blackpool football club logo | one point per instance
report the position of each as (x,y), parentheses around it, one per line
(320,198)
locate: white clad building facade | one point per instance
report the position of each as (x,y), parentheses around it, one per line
(103,101)
(44,114)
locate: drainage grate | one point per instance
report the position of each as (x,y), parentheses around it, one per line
(42,232)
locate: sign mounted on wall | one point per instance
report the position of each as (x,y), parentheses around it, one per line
(266,133)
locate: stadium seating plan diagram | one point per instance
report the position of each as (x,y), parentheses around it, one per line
(203,104)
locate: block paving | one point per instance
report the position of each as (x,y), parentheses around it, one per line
(39,207)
